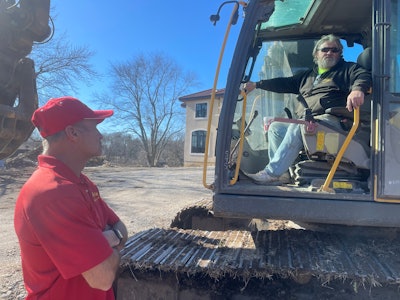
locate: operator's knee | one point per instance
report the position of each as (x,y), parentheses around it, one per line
(277,129)
(293,137)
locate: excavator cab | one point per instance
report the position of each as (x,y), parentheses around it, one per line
(343,175)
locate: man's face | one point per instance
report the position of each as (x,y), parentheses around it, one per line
(90,138)
(328,55)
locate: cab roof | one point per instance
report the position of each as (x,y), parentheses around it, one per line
(312,18)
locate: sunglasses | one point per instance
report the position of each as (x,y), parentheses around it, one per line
(327,49)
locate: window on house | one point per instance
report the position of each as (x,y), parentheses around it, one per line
(201,110)
(199,141)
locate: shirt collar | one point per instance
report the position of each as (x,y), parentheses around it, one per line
(50,162)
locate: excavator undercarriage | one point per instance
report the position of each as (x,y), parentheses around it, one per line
(200,264)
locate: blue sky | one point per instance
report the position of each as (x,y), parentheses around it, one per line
(118,30)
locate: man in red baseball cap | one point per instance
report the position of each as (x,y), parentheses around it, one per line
(69,237)
(58,113)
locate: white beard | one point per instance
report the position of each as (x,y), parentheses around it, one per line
(327,62)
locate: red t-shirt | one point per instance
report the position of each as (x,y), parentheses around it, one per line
(59,219)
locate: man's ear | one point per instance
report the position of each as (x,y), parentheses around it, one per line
(71,132)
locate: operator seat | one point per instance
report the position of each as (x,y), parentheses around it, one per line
(365,59)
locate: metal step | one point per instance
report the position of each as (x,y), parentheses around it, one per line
(263,254)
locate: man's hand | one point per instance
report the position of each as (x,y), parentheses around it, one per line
(354,100)
(249,86)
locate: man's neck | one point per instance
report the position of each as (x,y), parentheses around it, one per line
(76,165)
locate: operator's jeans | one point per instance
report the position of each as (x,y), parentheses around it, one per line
(285,143)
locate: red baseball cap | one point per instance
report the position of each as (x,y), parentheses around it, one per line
(58,113)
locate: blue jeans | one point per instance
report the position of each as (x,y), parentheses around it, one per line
(285,143)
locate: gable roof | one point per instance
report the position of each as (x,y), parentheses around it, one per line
(202,95)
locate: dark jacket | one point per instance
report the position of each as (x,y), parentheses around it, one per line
(329,90)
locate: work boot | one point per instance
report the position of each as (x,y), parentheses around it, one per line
(262,177)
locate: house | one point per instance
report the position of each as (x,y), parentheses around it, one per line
(197,114)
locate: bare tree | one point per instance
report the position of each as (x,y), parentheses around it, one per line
(145,96)
(120,148)
(173,155)
(60,66)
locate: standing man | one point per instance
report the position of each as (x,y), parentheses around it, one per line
(332,83)
(69,237)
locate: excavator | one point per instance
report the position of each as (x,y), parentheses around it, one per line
(21,24)
(343,196)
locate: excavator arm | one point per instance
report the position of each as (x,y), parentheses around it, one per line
(21,24)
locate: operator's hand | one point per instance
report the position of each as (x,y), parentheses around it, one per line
(354,100)
(249,86)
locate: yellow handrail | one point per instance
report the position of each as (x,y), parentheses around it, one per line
(356,122)
(205,166)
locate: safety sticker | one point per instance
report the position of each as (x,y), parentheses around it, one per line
(320,140)
(342,185)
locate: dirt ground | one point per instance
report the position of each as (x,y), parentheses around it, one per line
(144,198)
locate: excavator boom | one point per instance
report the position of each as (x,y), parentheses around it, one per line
(21,24)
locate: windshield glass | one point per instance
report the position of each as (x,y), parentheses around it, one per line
(289,12)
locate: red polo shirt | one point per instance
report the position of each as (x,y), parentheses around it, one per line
(59,219)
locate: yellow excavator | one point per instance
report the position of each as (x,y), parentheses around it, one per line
(343,196)
(21,24)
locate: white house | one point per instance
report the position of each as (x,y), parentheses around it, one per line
(197,113)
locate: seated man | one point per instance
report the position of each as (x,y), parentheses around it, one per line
(332,82)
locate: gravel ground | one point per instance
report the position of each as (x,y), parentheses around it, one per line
(144,198)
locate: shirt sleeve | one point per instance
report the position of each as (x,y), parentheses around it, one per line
(361,79)
(283,84)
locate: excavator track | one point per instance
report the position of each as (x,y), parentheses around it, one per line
(302,256)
